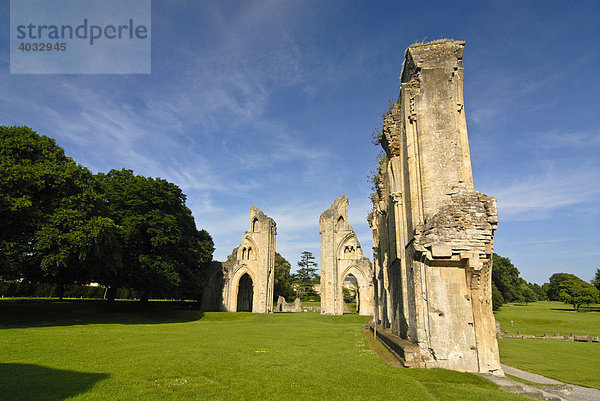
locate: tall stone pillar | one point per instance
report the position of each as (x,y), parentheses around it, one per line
(439,229)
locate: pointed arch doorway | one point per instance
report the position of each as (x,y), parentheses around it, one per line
(245,294)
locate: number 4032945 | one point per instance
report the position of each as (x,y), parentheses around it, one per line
(42,47)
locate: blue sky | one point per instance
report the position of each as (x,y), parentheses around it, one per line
(272,103)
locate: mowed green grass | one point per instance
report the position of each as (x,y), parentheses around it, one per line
(83,351)
(549,317)
(570,362)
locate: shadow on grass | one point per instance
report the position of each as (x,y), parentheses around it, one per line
(38,383)
(48,313)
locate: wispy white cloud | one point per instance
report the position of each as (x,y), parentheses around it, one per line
(560,140)
(537,196)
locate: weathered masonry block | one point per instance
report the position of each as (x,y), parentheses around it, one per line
(341,255)
(433,233)
(248,282)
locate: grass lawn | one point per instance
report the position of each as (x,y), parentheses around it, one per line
(570,362)
(311,303)
(549,317)
(351,305)
(84,351)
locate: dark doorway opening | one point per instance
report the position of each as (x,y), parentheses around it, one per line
(245,294)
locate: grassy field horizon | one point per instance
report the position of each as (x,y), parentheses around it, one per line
(567,361)
(549,317)
(80,351)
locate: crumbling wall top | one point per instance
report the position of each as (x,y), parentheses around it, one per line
(436,54)
(256,215)
(339,206)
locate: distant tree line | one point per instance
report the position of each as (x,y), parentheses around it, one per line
(62,226)
(508,286)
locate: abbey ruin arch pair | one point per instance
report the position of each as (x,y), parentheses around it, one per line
(248,281)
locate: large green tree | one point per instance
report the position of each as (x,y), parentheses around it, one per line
(506,278)
(163,253)
(553,287)
(48,209)
(306,275)
(577,292)
(283,279)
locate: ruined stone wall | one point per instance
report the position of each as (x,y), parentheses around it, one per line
(432,232)
(212,292)
(256,258)
(341,255)
(283,306)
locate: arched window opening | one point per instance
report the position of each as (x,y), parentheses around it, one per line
(245,294)
(350,291)
(340,224)
(349,251)
(255,225)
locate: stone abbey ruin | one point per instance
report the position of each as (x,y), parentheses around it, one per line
(432,232)
(342,255)
(429,286)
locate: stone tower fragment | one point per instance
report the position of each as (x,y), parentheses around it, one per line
(249,281)
(432,231)
(341,255)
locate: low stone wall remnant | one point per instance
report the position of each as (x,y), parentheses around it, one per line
(283,306)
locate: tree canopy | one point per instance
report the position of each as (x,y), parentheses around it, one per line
(506,278)
(283,279)
(61,224)
(306,276)
(577,292)
(49,210)
(553,287)
(508,286)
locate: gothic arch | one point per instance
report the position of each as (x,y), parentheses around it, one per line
(353,270)
(234,288)
(363,290)
(344,242)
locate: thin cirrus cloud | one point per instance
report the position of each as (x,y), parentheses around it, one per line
(538,196)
